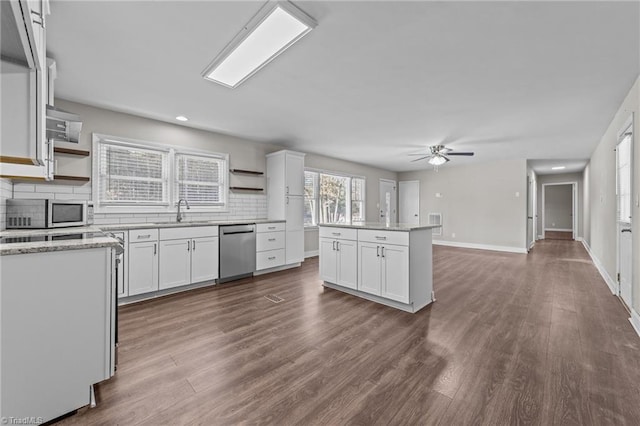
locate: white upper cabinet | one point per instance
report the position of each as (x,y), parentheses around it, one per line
(294,174)
(25,151)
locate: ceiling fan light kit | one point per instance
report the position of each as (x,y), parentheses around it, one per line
(439,155)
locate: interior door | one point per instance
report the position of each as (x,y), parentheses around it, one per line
(409,200)
(388,201)
(623,195)
(530,214)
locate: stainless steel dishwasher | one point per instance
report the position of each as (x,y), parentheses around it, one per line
(237,251)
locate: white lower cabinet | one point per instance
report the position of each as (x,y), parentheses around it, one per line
(175,263)
(204,259)
(143,267)
(270,245)
(186,261)
(338,262)
(384,270)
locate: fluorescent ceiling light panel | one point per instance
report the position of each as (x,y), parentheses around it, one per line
(558,168)
(259,42)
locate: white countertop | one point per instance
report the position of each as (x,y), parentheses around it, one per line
(405,227)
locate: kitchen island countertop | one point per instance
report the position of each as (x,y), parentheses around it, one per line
(404,227)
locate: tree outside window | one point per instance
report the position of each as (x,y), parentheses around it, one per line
(333,198)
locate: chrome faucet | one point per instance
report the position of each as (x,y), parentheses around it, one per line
(179,216)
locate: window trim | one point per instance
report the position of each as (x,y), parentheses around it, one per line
(351,176)
(171,150)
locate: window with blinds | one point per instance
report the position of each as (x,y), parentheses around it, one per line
(130,174)
(200,179)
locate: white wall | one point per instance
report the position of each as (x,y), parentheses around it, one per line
(601,184)
(586,205)
(478,202)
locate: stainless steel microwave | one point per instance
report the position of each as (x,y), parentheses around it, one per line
(41,214)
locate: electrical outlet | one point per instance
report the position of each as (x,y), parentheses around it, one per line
(517,194)
(453,235)
(438,195)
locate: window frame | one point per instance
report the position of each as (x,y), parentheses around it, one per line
(349,190)
(170,165)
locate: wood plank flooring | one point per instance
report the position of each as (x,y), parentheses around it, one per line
(558,235)
(512,339)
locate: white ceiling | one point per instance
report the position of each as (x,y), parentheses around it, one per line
(374,82)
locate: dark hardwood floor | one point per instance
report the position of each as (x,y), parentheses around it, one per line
(512,339)
(558,235)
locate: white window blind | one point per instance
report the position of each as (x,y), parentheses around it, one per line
(200,179)
(129,174)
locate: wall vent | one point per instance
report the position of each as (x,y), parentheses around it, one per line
(436,219)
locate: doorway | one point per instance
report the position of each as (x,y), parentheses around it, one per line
(624,173)
(409,201)
(531,211)
(559,219)
(387,204)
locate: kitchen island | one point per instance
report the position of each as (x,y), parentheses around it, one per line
(388,264)
(57,334)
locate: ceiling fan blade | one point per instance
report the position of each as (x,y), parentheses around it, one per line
(460,153)
(421,158)
(418,154)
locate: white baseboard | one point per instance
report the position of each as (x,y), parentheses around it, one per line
(533,243)
(635,321)
(311,253)
(558,229)
(481,246)
(579,239)
(603,272)
(540,237)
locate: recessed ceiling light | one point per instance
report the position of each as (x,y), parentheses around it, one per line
(269,33)
(558,168)
(182,118)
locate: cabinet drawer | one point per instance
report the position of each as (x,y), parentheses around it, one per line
(269,259)
(339,233)
(188,232)
(381,237)
(142,235)
(269,241)
(270,227)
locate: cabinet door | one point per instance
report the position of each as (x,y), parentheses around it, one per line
(204,259)
(143,268)
(369,278)
(395,273)
(175,263)
(294,246)
(347,263)
(294,213)
(328,260)
(294,180)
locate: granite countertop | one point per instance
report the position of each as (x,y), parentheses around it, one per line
(143,225)
(381,226)
(94,238)
(98,237)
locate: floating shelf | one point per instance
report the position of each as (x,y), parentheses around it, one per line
(245,188)
(70,151)
(73,178)
(246,172)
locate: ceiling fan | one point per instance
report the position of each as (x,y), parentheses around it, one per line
(439,154)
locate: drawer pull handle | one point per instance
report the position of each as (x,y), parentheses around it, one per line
(380,238)
(336,233)
(271,227)
(271,239)
(144,236)
(271,258)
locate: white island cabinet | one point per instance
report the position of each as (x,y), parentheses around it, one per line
(57,330)
(391,265)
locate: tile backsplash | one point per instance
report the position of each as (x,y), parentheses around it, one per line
(240,206)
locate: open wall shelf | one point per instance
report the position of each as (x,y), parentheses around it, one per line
(245,188)
(69,151)
(246,172)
